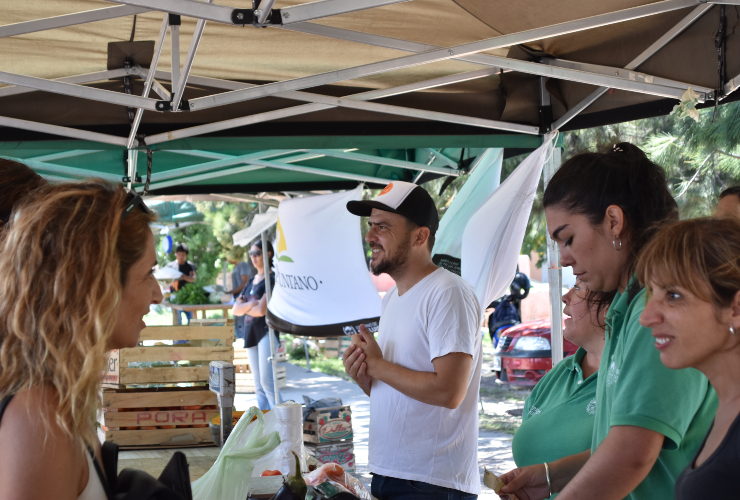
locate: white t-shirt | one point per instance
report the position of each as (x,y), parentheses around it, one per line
(410,439)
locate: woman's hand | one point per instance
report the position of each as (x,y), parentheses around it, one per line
(527,483)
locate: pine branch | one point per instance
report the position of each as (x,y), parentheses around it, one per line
(728,154)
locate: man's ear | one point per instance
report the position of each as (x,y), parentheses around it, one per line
(422,235)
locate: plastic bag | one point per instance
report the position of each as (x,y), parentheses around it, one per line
(334,474)
(229,477)
(285,418)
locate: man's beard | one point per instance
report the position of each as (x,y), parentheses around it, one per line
(393,265)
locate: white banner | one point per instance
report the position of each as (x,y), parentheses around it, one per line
(322,282)
(476,190)
(494,234)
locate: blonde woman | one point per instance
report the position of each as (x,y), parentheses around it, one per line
(692,272)
(76,282)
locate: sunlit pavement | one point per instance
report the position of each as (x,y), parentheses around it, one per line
(494,448)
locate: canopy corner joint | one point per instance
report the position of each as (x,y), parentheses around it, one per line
(243,17)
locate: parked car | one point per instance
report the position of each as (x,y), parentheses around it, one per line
(525,352)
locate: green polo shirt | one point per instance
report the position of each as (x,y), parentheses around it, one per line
(558,418)
(635,388)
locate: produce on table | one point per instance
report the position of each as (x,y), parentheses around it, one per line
(191,294)
(296,483)
(271,473)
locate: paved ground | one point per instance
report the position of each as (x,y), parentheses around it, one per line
(494,449)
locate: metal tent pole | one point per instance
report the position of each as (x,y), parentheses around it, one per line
(554,271)
(268,291)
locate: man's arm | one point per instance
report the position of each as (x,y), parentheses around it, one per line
(446,386)
(245,278)
(617,467)
(354,364)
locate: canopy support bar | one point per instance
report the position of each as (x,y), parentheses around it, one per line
(554,271)
(324,102)
(636,62)
(79,173)
(98,76)
(216,164)
(197,34)
(175,68)
(148,80)
(441,55)
(62,131)
(391,162)
(69,89)
(70,20)
(203,177)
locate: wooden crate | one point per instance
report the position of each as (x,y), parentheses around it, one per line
(167,417)
(202,348)
(334,347)
(244,378)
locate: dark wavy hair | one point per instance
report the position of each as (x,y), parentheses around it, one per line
(588,183)
(17,182)
(270,250)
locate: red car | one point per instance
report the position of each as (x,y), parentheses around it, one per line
(525,352)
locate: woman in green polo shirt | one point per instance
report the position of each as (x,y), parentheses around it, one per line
(568,392)
(602,209)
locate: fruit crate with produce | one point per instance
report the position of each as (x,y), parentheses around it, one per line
(157,395)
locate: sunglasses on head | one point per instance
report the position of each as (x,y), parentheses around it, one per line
(255,253)
(134,201)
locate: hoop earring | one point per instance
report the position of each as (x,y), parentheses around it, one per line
(614,242)
(732,330)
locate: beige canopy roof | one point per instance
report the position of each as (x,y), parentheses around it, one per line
(333,68)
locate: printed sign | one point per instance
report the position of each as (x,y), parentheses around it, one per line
(113,371)
(334,430)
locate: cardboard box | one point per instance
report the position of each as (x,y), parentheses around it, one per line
(342,453)
(328,425)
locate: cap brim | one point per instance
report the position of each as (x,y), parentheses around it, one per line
(365,207)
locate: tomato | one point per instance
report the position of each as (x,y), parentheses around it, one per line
(272,473)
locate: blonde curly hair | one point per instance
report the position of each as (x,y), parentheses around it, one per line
(65,256)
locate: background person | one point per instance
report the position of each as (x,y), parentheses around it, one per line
(602,209)
(423,373)
(53,342)
(692,272)
(252,304)
(17,182)
(187,268)
(558,417)
(241,275)
(729,203)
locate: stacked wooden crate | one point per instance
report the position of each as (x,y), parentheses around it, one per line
(167,405)
(244,378)
(327,435)
(334,347)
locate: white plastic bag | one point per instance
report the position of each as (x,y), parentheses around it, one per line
(287,419)
(229,477)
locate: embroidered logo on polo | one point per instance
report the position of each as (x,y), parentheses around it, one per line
(591,407)
(534,411)
(612,375)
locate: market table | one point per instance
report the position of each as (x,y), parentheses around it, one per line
(196,308)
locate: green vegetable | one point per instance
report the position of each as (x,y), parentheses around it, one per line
(191,294)
(296,483)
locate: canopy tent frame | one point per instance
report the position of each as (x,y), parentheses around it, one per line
(203,11)
(295,19)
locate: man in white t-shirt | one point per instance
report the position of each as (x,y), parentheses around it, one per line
(423,372)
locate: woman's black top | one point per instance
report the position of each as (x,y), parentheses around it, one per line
(255,329)
(718,477)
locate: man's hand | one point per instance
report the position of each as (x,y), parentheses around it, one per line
(371,350)
(355,366)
